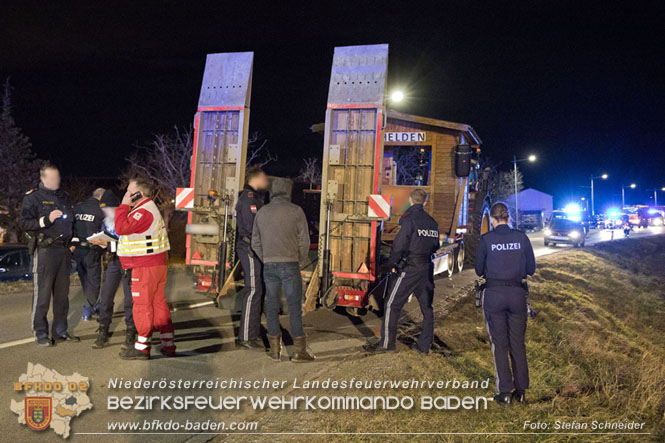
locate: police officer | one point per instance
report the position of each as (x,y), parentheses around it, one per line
(505,257)
(411,260)
(113,277)
(47,216)
(88,221)
(251,199)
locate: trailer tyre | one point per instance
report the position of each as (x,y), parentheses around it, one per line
(329,299)
(451,263)
(460,257)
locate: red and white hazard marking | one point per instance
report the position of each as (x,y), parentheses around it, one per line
(379,206)
(184,198)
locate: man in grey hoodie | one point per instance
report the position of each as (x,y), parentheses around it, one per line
(280,238)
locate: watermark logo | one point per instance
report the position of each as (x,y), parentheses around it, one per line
(52,400)
(38,412)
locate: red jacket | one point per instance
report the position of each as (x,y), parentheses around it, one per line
(125,225)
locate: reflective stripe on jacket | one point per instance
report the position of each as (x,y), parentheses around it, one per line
(152,241)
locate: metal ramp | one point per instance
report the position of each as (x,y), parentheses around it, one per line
(352,160)
(221,126)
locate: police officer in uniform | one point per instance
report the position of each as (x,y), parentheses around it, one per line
(251,199)
(411,260)
(505,258)
(88,221)
(113,278)
(47,216)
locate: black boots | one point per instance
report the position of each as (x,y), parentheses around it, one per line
(133,354)
(102,337)
(275,351)
(519,396)
(503,399)
(130,338)
(300,352)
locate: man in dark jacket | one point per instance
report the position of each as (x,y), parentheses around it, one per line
(251,199)
(280,239)
(113,277)
(88,221)
(505,257)
(47,216)
(411,259)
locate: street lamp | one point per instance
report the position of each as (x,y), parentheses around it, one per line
(604,177)
(655,195)
(531,158)
(623,194)
(397,96)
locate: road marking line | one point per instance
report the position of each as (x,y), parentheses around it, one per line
(17,342)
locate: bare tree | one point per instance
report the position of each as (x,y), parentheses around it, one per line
(409,168)
(257,152)
(311,172)
(501,184)
(166,162)
(19,167)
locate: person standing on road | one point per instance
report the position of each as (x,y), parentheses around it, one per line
(280,238)
(88,219)
(113,277)
(411,259)
(505,258)
(142,249)
(251,199)
(47,216)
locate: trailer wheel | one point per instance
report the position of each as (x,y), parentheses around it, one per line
(460,257)
(329,299)
(451,263)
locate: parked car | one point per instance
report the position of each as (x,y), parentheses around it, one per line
(14,262)
(565,231)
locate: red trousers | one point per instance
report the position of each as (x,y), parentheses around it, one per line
(150,310)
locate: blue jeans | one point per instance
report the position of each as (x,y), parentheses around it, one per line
(286,276)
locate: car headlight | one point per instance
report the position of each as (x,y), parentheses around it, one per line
(548,231)
(658,222)
(574,234)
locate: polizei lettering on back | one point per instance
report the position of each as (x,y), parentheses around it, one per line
(428,233)
(506,246)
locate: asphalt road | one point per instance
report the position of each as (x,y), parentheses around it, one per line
(594,236)
(205,339)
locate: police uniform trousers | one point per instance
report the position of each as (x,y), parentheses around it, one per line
(89,267)
(51,267)
(252,293)
(419,281)
(113,277)
(150,309)
(505,318)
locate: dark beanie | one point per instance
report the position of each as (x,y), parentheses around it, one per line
(109,200)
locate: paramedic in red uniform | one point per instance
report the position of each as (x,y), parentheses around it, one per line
(142,248)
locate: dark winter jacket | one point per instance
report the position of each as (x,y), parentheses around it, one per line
(417,239)
(37,205)
(280,232)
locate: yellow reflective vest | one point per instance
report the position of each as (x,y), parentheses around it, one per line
(153,241)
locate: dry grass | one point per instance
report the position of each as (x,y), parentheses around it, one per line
(596,352)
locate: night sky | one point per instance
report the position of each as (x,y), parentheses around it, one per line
(581,84)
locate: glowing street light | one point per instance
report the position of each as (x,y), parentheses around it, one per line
(604,177)
(397,96)
(531,158)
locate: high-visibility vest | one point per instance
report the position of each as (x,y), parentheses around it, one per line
(153,241)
